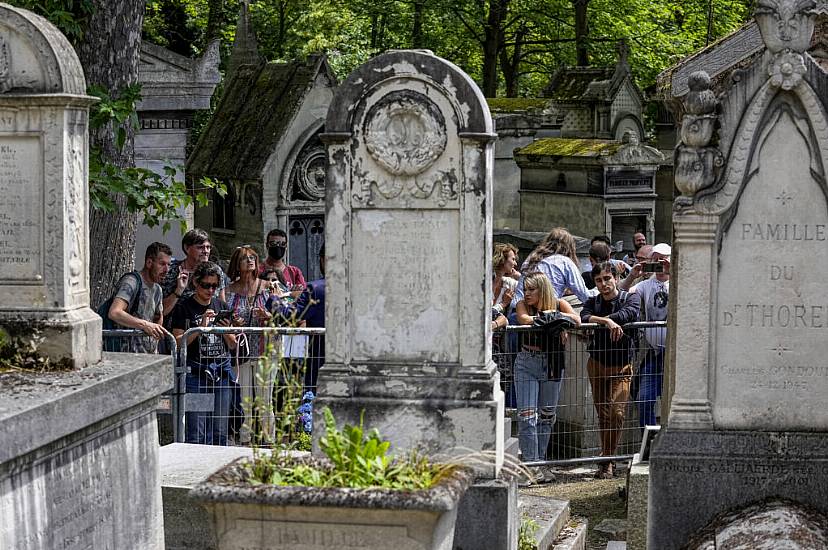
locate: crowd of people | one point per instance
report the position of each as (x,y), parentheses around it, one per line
(169,296)
(612,293)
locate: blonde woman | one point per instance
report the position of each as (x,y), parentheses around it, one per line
(537,390)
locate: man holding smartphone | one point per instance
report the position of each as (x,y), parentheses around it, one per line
(655,293)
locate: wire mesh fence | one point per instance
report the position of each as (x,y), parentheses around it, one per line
(248,386)
(574,395)
(579,394)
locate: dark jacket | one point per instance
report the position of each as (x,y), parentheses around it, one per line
(623,309)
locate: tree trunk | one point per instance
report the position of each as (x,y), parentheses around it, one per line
(109,53)
(417,28)
(215,20)
(581,32)
(491,45)
(510,63)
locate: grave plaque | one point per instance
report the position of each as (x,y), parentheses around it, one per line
(408,249)
(44,111)
(21,209)
(748,419)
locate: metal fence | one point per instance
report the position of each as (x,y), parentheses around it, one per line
(572,408)
(260,392)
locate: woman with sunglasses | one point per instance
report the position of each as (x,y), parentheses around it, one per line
(247,297)
(208,355)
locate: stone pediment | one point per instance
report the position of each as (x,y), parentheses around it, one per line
(172,82)
(35,58)
(733,51)
(634,153)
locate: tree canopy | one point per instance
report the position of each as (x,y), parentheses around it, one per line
(509,46)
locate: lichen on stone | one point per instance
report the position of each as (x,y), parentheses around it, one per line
(516,104)
(570,147)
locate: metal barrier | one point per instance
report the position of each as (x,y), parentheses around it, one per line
(240,397)
(560,408)
(574,408)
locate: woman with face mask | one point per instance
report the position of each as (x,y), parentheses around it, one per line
(276,243)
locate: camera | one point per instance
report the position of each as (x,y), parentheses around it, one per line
(653,267)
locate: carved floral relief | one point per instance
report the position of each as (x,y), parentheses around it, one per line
(5,67)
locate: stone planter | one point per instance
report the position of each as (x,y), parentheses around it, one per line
(310,518)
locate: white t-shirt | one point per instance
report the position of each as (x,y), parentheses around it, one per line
(654,297)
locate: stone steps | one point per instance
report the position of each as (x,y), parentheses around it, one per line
(555,528)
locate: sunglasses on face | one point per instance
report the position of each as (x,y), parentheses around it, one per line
(250,258)
(208,286)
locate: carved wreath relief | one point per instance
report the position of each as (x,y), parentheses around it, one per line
(405,133)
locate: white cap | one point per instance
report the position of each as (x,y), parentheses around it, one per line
(662,248)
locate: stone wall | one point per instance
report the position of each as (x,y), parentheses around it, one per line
(580,214)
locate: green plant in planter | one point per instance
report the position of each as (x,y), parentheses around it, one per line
(356,458)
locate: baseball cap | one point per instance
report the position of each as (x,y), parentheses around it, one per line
(662,248)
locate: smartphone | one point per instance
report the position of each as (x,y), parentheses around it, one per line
(653,267)
(224,314)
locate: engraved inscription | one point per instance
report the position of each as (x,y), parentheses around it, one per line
(21,203)
(316,536)
(772,310)
(749,472)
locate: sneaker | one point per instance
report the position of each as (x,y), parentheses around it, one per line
(534,477)
(605,471)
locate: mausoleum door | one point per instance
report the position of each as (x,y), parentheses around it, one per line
(306,235)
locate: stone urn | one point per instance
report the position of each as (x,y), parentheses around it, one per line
(315,518)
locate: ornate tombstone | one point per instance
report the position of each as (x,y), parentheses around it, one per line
(44,110)
(748,417)
(408,247)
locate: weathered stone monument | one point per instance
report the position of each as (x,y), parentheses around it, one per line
(748,419)
(44,274)
(408,247)
(79,453)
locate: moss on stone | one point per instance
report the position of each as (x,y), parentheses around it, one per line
(570,147)
(515,104)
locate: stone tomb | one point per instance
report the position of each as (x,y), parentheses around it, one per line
(408,251)
(748,418)
(79,453)
(44,274)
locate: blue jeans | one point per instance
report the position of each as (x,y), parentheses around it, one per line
(651,377)
(537,401)
(217,378)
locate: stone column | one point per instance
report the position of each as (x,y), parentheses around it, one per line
(44,197)
(408,246)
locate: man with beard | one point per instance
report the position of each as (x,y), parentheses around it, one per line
(147,314)
(177,284)
(276,243)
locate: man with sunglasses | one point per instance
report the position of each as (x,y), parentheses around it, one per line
(276,243)
(209,369)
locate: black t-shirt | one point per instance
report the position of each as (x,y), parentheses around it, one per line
(208,348)
(623,309)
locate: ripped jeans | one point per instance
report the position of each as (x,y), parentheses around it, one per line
(537,401)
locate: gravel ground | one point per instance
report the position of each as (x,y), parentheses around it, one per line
(594,499)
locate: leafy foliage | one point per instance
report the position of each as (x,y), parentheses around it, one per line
(159,198)
(70,16)
(357,458)
(526,534)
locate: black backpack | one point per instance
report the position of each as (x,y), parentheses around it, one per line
(103,309)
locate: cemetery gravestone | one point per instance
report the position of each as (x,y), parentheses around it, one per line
(44,275)
(748,420)
(79,454)
(408,247)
